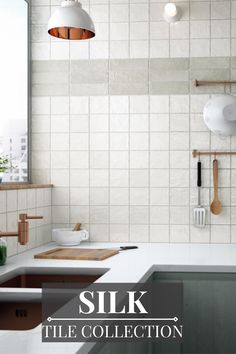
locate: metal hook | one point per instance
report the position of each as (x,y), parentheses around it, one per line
(215,155)
(199,155)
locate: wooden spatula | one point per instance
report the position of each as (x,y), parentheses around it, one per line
(216,206)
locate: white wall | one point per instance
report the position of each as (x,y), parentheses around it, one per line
(118,146)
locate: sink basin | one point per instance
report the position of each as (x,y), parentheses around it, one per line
(21,296)
(34,277)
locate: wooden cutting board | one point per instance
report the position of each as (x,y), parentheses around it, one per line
(85,254)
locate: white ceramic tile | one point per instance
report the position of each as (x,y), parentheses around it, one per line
(159,233)
(159,30)
(139,49)
(119,159)
(79,196)
(159,48)
(60,123)
(119,49)
(99,214)
(159,178)
(79,159)
(59,105)
(220,47)
(98,122)
(119,122)
(59,141)
(99,232)
(159,215)
(119,196)
(200,29)
(60,51)
(78,105)
(99,50)
(119,214)
(179,48)
(119,12)
(99,104)
(119,141)
(139,141)
(99,178)
(99,13)
(79,141)
(220,234)
(119,233)
(139,233)
(3,201)
(99,196)
(99,159)
(79,177)
(139,30)
(200,48)
(179,141)
(179,30)
(119,178)
(220,10)
(119,104)
(139,196)
(60,196)
(159,196)
(138,12)
(179,215)
(179,233)
(98,141)
(159,159)
(119,31)
(139,122)
(159,104)
(139,215)
(79,50)
(139,159)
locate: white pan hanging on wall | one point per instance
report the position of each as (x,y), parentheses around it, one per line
(220,115)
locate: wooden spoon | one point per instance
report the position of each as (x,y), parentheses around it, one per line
(216,206)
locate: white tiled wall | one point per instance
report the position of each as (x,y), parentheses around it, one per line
(127,172)
(32,202)
(136,29)
(122,165)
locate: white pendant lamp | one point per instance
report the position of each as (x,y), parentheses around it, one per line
(171,13)
(70,21)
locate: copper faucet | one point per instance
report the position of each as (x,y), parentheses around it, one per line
(23,229)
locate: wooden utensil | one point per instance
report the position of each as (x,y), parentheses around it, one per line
(216,206)
(77,227)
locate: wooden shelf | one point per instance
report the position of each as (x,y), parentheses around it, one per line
(11,186)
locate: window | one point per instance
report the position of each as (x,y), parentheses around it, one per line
(14,88)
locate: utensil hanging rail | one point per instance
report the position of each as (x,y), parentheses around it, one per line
(197,153)
(213,82)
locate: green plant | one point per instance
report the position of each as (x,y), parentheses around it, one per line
(5,163)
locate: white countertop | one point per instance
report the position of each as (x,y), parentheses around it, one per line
(127,266)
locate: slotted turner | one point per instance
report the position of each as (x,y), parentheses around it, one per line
(199,213)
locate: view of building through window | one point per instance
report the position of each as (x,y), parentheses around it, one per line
(14,88)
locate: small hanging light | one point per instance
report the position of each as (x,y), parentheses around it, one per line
(70,21)
(171,13)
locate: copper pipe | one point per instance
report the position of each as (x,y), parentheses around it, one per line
(213,82)
(197,153)
(23,229)
(8,234)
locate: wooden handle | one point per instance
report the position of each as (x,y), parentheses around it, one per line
(215,178)
(77,227)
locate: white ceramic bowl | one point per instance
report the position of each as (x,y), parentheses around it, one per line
(68,237)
